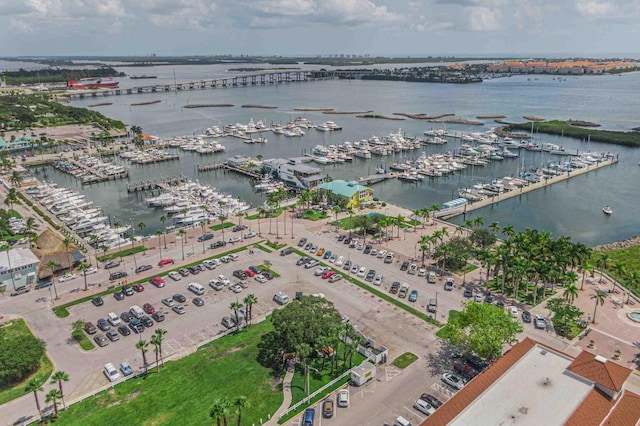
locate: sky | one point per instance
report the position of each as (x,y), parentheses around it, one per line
(319,27)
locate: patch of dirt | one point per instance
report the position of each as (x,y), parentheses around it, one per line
(276,385)
(230,351)
(133,396)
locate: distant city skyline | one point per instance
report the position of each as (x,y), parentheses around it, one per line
(590,28)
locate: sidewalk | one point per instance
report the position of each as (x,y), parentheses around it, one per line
(286,402)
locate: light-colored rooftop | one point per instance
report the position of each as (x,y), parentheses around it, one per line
(16,258)
(536,390)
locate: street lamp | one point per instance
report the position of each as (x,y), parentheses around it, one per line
(308,390)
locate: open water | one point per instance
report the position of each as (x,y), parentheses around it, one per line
(571,208)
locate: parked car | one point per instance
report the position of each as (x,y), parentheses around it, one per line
(327,254)
(178,309)
(66,277)
(513,311)
(138,288)
(239,228)
(347,265)
(126,368)
(164,262)
(378,280)
(193,270)
(216,284)
(302,260)
(312,263)
(143,268)
(157,281)
(101,340)
(479,296)
(413,296)
(308,246)
(328,275)
(320,271)
(432,400)
(127,290)
(424,407)
(179,298)
(468,292)
(394,287)
(89,271)
(146,321)
(448,284)
(302,242)
(41,284)
(261,278)
(240,274)
(217,244)
(235,288)
(370,275)
(339,261)
(198,301)
(89,328)
(249,273)
(526,316)
(112,264)
(286,251)
(465,370)
(249,234)
(320,251)
(404,266)
(148,308)
(136,325)
(224,280)
(228,322)
(117,275)
(343,398)
(168,301)
(111,372)
(327,408)
(97,301)
(367,249)
(234,239)
(335,278)
(157,316)
(126,316)
(540,322)
(124,330)
(476,362)
(112,335)
(205,237)
(404,289)
(453,380)
(184,272)
(119,295)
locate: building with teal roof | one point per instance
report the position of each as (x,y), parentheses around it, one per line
(356,194)
(17,143)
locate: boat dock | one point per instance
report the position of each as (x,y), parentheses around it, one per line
(210,166)
(457,211)
(245,172)
(94,173)
(155,184)
(153,159)
(370,180)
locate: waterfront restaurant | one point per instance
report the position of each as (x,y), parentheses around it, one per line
(294,172)
(356,194)
(17,268)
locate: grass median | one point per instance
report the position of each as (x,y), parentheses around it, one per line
(184,391)
(81,339)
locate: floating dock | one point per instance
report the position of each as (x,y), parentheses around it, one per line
(471,206)
(370,180)
(155,184)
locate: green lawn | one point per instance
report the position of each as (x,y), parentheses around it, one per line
(314,215)
(275,245)
(81,338)
(184,390)
(405,360)
(122,253)
(8,393)
(218,227)
(630,257)
(443,333)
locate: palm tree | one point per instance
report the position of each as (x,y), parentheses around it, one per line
(620,269)
(495,227)
(202,225)
(399,222)
(571,293)
(15,179)
(53,396)
(603,263)
(220,410)
(159,234)
(154,342)
(585,267)
(133,243)
(240,402)
(143,345)
(163,219)
(183,234)
(235,306)
(478,221)
(67,243)
(433,209)
(137,132)
(12,197)
(53,266)
(159,334)
(35,386)
(599,296)
(336,210)
(82,269)
(222,218)
(303,350)
(509,231)
(142,225)
(261,213)
(94,242)
(249,301)
(57,378)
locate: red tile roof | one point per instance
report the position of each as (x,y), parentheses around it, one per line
(626,411)
(607,374)
(593,409)
(470,392)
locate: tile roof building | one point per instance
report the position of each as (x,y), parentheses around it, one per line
(533,384)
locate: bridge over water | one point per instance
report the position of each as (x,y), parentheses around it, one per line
(250,80)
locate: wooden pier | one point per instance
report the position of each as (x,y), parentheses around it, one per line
(151,160)
(245,172)
(457,211)
(155,184)
(88,175)
(370,180)
(207,167)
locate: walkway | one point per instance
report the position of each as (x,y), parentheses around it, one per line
(286,402)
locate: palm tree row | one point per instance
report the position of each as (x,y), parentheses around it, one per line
(221,406)
(54,395)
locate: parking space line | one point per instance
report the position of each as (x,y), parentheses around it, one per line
(391,372)
(443,389)
(413,413)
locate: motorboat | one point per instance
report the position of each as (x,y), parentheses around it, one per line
(607,210)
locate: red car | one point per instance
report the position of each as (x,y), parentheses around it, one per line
(250,273)
(157,281)
(139,288)
(328,274)
(165,262)
(148,308)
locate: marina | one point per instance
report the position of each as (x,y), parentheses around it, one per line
(91,169)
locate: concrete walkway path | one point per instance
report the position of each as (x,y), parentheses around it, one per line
(286,402)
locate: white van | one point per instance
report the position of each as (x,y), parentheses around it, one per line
(281,298)
(136,311)
(196,288)
(113,319)
(401,421)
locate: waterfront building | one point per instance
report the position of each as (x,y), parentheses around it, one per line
(535,384)
(295,172)
(17,143)
(357,195)
(17,268)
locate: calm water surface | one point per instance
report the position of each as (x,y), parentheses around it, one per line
(570,208)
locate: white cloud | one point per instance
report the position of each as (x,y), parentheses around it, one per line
(595,9)
(484,18)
